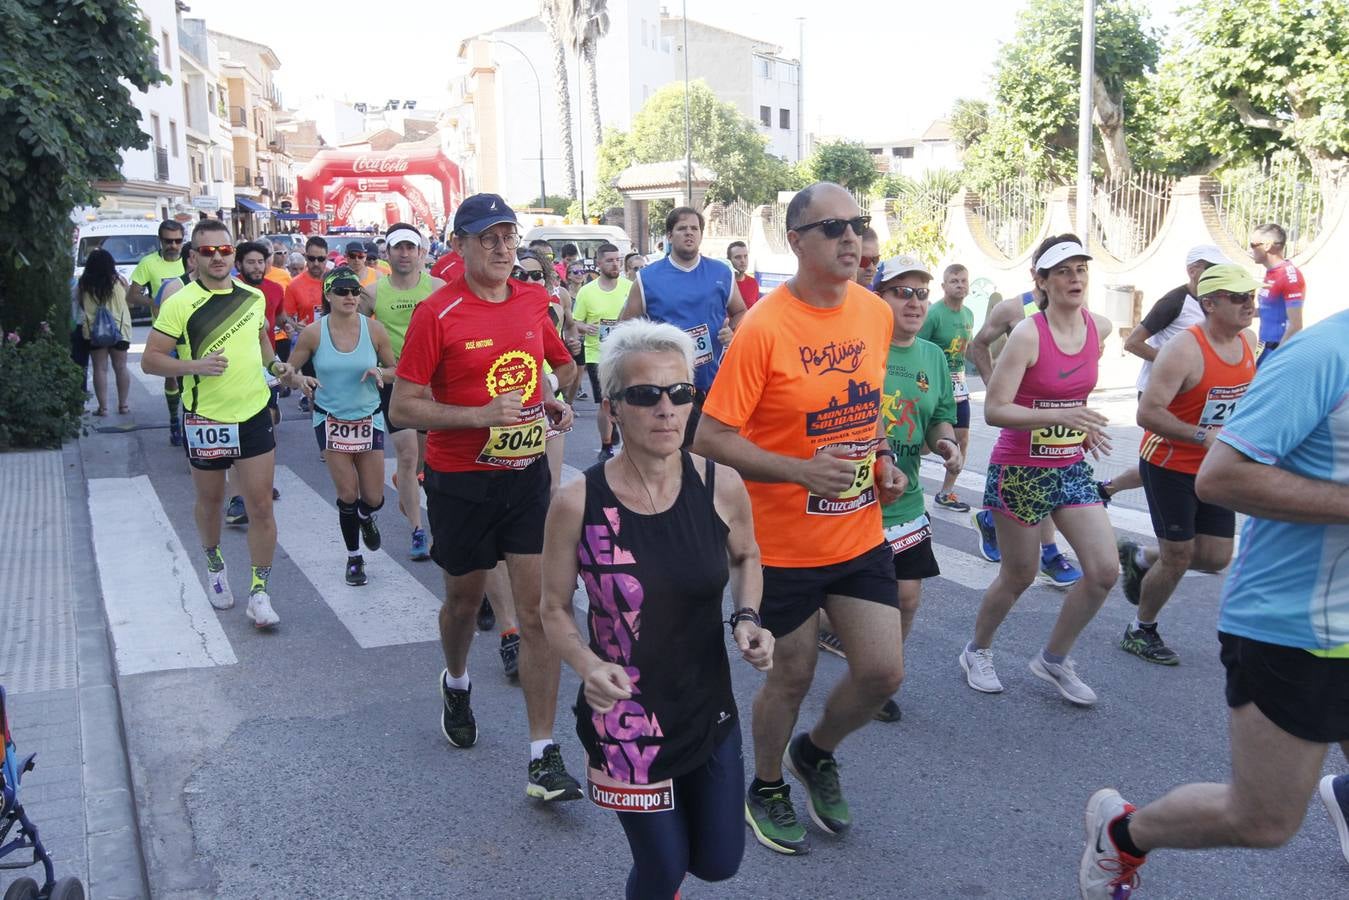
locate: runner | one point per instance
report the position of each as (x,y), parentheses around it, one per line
(395,298)
(949,325)
(570,256)
(358,260)
(219,329)
(642,517)
(1038,397)
(276,265)
(796,410)
(353,359)
(1054,565)
(304,297)
(598,307)
(632,264)
(1282,627)
(147,281)
(469,374)
(738,253)
(374,256)
(1283,292)
(869,262)
(693,293)
(294,264)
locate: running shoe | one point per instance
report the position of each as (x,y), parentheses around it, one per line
(175,432)
(276,495)
(979,671)
(356,571)
(420,549)
(1131,572)
(988,538)
(304,404)
(1106,872)
(1064,677)
(456,716)
(218,590)
(235,514)
(770,815)
(889,712)
(1103,489)
(370,533)
(1334,790)
(260,610)
(548,778)
(510,654)
(1146,643)
(832,643)
(487,618)
(1059,572)
(950,501)
(824,793)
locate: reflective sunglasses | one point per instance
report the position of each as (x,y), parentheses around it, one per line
(908,293)
(216,250)
(1234,297)
(345,292)
(316,258)
(681,394)
(834,228)
(577,270)
(174,241)
(867,262)
(528,275)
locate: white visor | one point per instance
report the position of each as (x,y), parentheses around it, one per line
(402,235)
(1061,251)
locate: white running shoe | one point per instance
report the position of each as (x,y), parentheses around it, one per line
(218,590)
(260,610)
(979,672)
(1106,872)
(1063,677)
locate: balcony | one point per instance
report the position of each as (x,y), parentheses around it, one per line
(238,117)
(161,164)
(243,177)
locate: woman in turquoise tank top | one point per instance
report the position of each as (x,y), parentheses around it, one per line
(352,359)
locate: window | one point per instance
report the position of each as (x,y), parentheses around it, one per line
(154,129)
(167,50)
(766,116)
(793,72)
(173,137)
(784,118)
(765,67)
(644,32)
(902,152)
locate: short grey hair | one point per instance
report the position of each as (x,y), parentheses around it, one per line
(634,338)
(296,258)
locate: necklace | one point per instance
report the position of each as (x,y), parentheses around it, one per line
(638,472)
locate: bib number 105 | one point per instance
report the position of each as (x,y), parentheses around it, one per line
(209,439)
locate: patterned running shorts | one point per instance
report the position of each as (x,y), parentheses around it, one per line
(1030,493)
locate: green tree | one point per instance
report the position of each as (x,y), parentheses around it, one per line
(969,121)
(843,162)
(65,99)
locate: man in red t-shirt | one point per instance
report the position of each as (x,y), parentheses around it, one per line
(1284,291)
(304,295)
(448,266)
(471,375)
(738,253)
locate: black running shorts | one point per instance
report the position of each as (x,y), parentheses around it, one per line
(255,438)
(477,518)
(791,596)
(1305,695)
(1177,512)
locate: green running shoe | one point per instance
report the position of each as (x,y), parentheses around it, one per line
(770,815)
(1132,573)
(1148,645)
(824,794)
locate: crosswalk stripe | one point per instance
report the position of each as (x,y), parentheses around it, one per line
(155,601)
(152,383)
(394,608)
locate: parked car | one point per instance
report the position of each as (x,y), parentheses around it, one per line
(585,237)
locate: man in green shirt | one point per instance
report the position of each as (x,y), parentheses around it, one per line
(918,408)
(597,309)
(147,281)
(950,325)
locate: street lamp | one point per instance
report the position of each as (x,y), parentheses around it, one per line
(538,93)
(1084,122)
(688,139)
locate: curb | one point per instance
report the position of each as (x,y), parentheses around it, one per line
(116,862)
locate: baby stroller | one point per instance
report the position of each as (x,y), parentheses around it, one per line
(11,812)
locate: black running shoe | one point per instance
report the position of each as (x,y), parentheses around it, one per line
(356,571)
(889,712)
(370,533)
(548,778)
(824,793)
(1146,643)
(487,619)
(1131,572)
(235,514)
(456,716)
(175,432)
(510,654)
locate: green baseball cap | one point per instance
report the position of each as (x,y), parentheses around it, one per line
(342,276)
(1226,277)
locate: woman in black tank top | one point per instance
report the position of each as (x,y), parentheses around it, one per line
(655,534)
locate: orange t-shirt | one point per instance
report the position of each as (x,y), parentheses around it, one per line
(796,379)
(303,297)
(280,276)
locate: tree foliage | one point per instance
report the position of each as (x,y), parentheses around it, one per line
(969,121)
(66,104)
(843,162)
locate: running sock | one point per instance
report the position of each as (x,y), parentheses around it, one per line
(970,648)
(1048,551)
(810,754)
(351,528)
(758,785)
(457,682)
(1140,625)
(1141,559)
(508,632)
(1119,833)
(1052,658)
(171,399)
(536,748)
(214,561)
(260,576)
(365,510)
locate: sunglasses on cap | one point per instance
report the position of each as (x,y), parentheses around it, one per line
(681,394)
(527,275)
(908,293)
(834,228)
(216,250)
(345,291)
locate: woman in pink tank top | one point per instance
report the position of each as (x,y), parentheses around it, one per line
(1038,396)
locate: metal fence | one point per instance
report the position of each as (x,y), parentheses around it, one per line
(729,219)
(1127,213)
(1013,213)
(1281,189)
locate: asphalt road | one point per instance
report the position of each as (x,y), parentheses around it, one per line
(309,762)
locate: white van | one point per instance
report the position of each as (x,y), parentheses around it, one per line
(585,237)
(126,239)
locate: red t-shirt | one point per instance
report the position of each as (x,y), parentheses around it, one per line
(749,290)
(303,296)
(275,296)
(469,350)
(447,268)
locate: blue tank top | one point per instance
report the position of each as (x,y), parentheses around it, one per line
(341,391)
(693,300)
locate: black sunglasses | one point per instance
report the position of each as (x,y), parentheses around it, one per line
(528,275)
(1234,297)
(834,228)
(316,258)
(345,292)
(908,293)
(681,394)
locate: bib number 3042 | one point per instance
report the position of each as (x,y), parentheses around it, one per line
(350,435)
(515,446)
(209,439)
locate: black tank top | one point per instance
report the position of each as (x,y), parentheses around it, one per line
(655,584)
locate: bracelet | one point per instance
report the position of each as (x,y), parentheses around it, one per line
(271,366)
(886,452)
(744,614)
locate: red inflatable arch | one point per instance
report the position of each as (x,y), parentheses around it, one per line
(342,193)
(329,165)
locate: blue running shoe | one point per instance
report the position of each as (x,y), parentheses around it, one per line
(1334,790)
(988,538)
(1059,572)
(419,550)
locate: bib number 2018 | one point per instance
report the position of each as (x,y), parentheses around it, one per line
(350,436)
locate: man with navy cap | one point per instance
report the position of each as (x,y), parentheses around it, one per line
(471,375)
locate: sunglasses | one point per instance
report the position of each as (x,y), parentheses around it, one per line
(316,258)
(577,271)
(1237,299)
(345,292)
(528,275)
(357,254)
(681,394)
(834,228)
(908,293)
(216,250)
(174,241)
(867,262)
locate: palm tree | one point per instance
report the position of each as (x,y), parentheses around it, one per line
(559,18)
(592,23)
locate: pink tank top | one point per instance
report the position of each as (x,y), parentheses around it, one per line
(1056,380)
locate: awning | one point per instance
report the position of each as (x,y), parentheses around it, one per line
(251,205)
(295,217)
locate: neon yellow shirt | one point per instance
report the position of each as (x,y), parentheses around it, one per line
(228,321)
(596,306)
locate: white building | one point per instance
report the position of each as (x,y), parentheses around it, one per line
(210,146)
(935,149)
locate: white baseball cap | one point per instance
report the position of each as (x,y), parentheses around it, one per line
(896,266)
(1206,253)
(1063,250)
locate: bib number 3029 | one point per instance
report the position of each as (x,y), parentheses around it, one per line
(209,439)
(350,435)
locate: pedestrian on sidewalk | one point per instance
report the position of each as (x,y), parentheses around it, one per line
(103,297)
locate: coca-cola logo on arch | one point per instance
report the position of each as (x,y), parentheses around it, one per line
(382,165)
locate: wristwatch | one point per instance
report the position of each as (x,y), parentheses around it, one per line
(744,614)
(1201,436)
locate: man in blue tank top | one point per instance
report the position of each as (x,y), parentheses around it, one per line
(695,294)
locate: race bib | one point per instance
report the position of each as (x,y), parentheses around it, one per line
(861,494)
(606,326)
(516,446)
(908,535)
(959,387)
(349,436)
(702,345)
(1221,404)
(1057,441)
(209,439)
(629,798)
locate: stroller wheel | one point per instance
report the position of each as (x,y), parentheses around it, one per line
(68,888)
(23,889)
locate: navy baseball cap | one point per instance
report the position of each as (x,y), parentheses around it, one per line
(480,212)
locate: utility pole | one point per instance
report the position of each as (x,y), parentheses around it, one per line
(688,132)
(1084,107)
(538,93)
(800,88)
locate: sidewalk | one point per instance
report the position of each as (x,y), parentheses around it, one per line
(56,666)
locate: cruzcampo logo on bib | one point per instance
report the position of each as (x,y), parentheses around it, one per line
(515,446)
